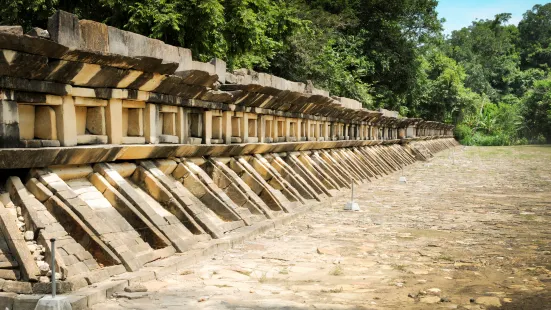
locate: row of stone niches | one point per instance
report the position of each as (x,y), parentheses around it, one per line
(73,121)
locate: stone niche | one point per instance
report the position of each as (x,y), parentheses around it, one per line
(292,130)
(167,125)
(410,132)
(322,127)
(217,135)
(236,132)
(268,123)
(303,130)
(279,131)
(244,128)
(133,122)
(37,125)
(340,131)
(252,128)
(90,120)
(194,128)
(311,136)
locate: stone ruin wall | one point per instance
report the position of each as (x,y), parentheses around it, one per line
(127,152)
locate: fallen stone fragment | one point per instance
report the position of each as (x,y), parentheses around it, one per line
(430,299)
(17,30)
(434,291)
(44,279)
(29,235)
(137,288)
(488,301)
(39,32)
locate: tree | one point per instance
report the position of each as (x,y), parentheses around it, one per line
(488,52)
(536,111)
(535,37)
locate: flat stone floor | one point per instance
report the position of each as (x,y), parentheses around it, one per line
(469,230)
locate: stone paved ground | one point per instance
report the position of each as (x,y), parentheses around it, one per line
(474,225)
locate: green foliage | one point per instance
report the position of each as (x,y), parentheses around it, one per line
(535,37)
(462,132)
(536,112)
(486,140)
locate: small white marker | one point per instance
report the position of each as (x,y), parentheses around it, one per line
(351,205)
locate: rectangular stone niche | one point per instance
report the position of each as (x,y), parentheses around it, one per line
(269,127)
(252,129)
(194,127)
(167,124)
(133,122)
(280,124)
(37,125)
(90,121)
(236,134)
(217,128)
(321,134)
(292,131)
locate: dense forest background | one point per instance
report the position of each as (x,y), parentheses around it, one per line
(492,79)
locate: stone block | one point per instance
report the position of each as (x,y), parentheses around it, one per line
(114,118)
(66,122)
(9,274)
(16,30)
(117,41)
(151,114)
(97,276)
(220,69)
(133,140)
(26,121)
(185,62)
(40,192)
(115,270)
(45,123)
(9,124)
(19,287)
(26,302)
(77,302)
(39,33)
(95,120)
(6,300)
(50,143)
(203,66)
(91,139)
(64,28)
(139,45)
(77,269)
(46,288)
(17,246)
(94,36)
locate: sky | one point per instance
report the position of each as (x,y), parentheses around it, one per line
(460,13)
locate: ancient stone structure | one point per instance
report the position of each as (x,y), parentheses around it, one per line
(127,152)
